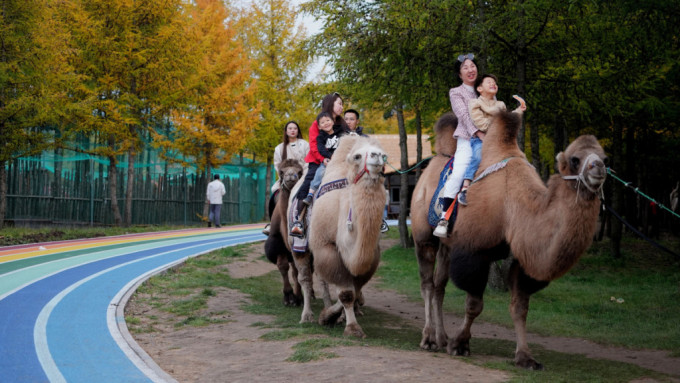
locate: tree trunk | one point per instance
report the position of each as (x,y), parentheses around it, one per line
(113,191)
(419,144)
(617,192)
(521,74)
(267,188)
(405,240)
(3,193)
(129,186)
(208,172)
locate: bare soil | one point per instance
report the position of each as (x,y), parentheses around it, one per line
(234,352)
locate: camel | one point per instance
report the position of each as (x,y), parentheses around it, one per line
(276,247)
(546,227)
(345,226)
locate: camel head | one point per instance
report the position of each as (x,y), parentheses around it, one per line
(366,160)
(290,172)
(584,161)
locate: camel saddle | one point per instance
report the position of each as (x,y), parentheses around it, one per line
(436,204)
(300,244)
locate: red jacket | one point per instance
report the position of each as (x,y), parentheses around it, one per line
(313,157)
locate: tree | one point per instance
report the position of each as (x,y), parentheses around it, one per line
(221,106)
(280,64)
(34,82)
(133,55)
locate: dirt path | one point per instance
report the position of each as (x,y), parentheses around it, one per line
(233,351)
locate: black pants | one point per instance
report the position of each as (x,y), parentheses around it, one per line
(304,188)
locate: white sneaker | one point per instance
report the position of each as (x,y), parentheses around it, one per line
(442,229)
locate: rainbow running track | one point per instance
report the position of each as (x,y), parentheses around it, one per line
(62,303)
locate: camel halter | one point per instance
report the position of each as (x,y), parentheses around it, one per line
(581,178)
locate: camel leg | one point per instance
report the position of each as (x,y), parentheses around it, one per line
(327,302)
(297,288)
(303,264)
(469,272)
(522,287)
(352,328)
(441,278)
(432,286)
(283,266)
(460,343)
(331,314)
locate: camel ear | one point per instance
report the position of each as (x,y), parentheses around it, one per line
(561,162)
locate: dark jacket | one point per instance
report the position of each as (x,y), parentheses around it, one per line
(327,143)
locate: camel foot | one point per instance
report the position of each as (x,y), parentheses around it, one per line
(307,317)
(459,347)
(524,360)
(430,342)
(329,317)
(354,330)
(290,299)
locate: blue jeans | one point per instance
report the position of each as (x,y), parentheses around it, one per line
(316,182)
(214,215)
(476,158)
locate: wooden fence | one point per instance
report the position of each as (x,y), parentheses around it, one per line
(79,195)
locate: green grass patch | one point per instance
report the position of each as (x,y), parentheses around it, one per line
(314,349)
(579,304)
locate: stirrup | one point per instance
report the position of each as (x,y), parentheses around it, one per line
(383,227)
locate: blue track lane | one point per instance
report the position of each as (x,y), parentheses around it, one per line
(72,340)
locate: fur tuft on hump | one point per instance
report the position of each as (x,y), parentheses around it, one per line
(511,121)
(443,129)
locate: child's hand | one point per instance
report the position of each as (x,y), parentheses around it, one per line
(522,104)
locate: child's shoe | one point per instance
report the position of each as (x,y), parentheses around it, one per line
(462,197)
(442,229)
(297,230)
(308,200)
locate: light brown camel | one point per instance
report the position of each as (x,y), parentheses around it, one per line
(547,229)
(345,226)
(276,247)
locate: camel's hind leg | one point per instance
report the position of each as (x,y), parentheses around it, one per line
(288,294)
(304,267)
(347,297)
(522,286)
(297,288)
(432,286)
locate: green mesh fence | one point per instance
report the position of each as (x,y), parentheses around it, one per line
(74,188)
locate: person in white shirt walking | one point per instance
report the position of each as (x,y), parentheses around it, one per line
(214,194)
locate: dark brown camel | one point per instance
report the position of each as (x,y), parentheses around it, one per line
(276,246)
(547,229)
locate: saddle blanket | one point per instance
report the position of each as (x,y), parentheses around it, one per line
(435,211)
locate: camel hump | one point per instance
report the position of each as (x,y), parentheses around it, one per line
(443,129)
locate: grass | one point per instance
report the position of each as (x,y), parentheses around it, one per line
(580,303)
(20,235)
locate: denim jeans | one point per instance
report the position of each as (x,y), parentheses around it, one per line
(316,182)
(475,159)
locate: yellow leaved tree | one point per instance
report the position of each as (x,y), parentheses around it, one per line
(221,109)
(280,63)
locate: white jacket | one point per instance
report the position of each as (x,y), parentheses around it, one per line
(215,192)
